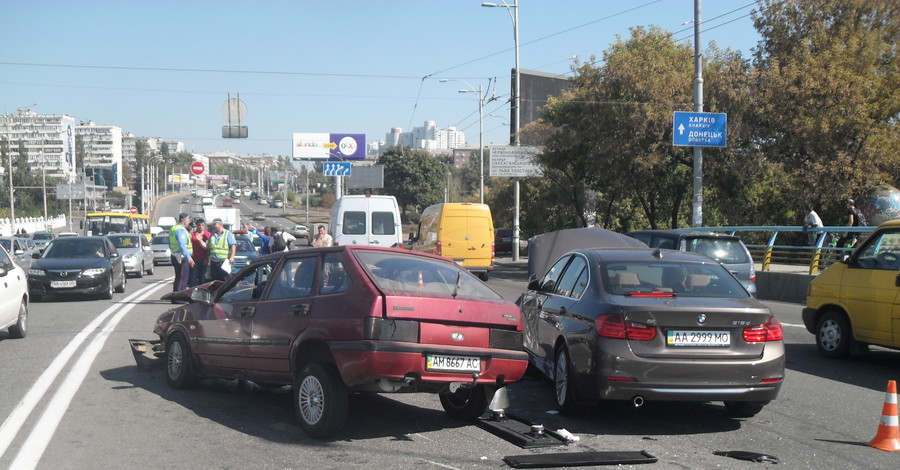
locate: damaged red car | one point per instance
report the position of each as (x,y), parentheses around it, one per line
(339,320)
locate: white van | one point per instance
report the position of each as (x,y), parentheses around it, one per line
(367,220)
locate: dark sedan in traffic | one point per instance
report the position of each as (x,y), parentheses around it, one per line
(77,265)
(341,320)
(636,324)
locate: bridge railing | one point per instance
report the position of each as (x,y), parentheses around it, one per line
(784,245)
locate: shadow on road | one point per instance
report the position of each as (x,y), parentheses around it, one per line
(268,413)
(870,370)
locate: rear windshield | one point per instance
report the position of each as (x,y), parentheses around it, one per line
(723,250)
(682,279)
(401,274)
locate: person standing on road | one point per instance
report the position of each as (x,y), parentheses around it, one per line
(287,238)
(812,220)
(323,238)
(222,248)
(181,248)
(263,238)
(199,237)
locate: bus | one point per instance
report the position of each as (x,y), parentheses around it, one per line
(102,223)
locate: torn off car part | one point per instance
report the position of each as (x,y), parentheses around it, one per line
(520,432)
(580,459)
(747,455)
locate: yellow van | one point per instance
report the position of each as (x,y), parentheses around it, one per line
(463,232)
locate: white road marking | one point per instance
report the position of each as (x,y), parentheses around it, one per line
(794,325)
(13,423)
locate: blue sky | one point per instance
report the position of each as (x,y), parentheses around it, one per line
(164,68)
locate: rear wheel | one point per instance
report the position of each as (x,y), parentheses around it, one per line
(833,335)
(562,379)
(466,403)
(320,399)
(179,365)
(483,276)
(744,409)
(21,327)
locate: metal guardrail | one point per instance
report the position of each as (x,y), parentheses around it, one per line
(816,257)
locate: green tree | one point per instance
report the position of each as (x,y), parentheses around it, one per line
(828,97)
(414,177)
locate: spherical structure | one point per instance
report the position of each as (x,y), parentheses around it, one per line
(882,203)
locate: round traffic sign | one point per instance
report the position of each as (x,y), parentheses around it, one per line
(198,168)
(133,209)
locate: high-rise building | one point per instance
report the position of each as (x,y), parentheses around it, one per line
(48,141)
(102,158)
(428,136)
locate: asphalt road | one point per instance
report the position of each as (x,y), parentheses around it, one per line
(72,397)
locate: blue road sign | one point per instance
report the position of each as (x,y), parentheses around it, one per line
(336,168)
(700,129)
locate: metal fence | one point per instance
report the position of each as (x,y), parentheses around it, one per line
(788,245)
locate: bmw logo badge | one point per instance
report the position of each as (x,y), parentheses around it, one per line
(701,319)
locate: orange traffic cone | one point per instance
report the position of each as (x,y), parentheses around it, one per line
(888,435)
(422,286)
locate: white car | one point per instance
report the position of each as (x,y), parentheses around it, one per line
(13,297)
(263,202)
(161,252)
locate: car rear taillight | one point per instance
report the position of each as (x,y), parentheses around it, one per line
(768,331)
(614,326)
(437,248)
(493,253)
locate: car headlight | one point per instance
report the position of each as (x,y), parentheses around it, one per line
(94,272)
(36,272)
(130,257)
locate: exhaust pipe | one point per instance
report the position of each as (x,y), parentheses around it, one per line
(637,401)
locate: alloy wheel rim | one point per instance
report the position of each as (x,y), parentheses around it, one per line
(175,359)
(562,377)
(830,336)
(311,400)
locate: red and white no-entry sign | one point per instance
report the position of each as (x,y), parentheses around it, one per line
(133,209)
(198,168)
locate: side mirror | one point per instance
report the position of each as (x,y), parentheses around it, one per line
(19,252)
(533,284)
(3,271)
(114,254)
(201,295)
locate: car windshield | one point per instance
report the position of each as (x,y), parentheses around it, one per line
(125,242)
(243,244)
(636,278)
(417,276)
(723,250)
(74,248)
(160,240)
(7,243)
(43,236)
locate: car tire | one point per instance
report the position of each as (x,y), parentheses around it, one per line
(564,383)
(151,270)
(108,294)
(179,362)
(833,335)
(155,263)
(744,409)
(120,289)
(466,403)
(483,276)
(140,272)
(320,400)
(20,329)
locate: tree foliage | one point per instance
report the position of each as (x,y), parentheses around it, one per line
(415,178)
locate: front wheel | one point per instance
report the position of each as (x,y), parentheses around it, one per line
(140,272)
(744,409)
(562,379)
(179,365)
(150,269)
(21,327)
(833,335)
(108,293)
(466,403)
(320,400)
(121,287)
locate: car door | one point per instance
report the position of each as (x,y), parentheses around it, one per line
(869,288)
(224,327)
(10,291)
(556,315)
(533,314)
(282,315)
(116,262)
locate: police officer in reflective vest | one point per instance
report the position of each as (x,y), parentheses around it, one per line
(181,248)
(222,247)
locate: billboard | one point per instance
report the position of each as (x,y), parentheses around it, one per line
(324,146)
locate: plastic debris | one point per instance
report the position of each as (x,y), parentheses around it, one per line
(746,455)
(569,437)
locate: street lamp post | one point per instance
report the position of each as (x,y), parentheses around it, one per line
(513,10)
(480,92)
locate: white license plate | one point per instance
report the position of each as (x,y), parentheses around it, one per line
(694,338)
(452,363)
(62,284)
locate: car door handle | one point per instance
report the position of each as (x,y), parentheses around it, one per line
(247,311)
(300,310)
